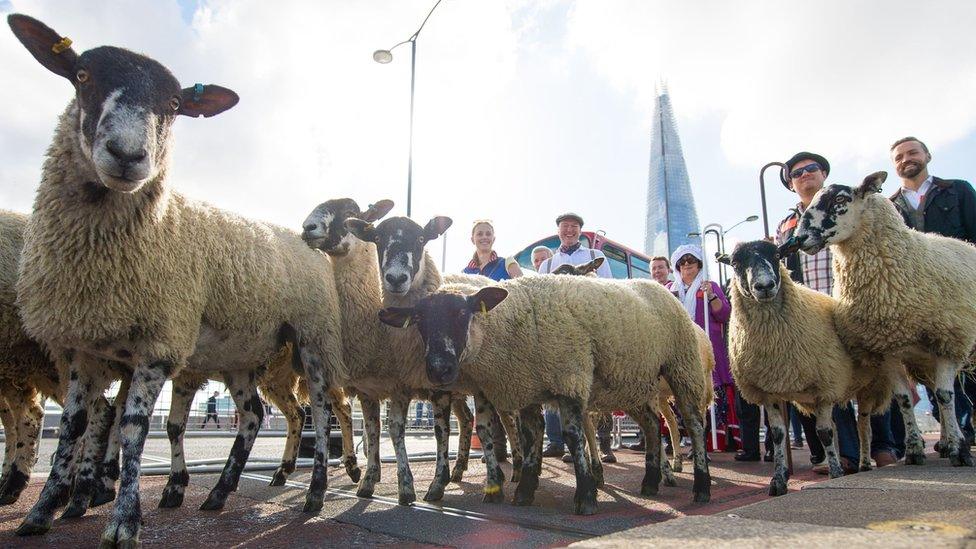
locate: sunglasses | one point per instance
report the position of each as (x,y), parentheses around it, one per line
(809,168)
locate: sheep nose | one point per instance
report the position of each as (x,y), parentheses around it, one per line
(123,156)
(309,227)
(396,280)
(764,286)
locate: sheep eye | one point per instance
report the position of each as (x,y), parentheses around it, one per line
(420,240)
(82,76)
(174,103)
(840,199)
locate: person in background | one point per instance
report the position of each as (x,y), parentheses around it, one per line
(485,261)
(692,290)
(211,411)
(805,175)
(571,251)
(540,254)
(933,205)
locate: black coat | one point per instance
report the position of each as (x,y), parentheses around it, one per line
(949,209)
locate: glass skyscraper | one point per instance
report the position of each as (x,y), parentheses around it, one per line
(670,205)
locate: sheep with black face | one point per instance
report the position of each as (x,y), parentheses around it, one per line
(116,265)
(902,295)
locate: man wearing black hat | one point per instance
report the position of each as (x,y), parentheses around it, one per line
(572,251)
(805,174)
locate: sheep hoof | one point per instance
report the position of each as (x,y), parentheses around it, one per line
(669,480)
(354,472)
(364,491)
(915,458)
(493,494)
(963,458)
(313,504)
(171,499)
(649,490)
(777,487)
(434,493)
(120,536)
(278,478)
(457,474)
(864,467)
(585,507)
(28,528)
(517,475)
(215,502)
(102,496)
(407,497)
(74,510)
(8,499)
(677,465)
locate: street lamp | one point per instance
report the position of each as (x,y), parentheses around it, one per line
(762,189)
(720,233)
(386,56)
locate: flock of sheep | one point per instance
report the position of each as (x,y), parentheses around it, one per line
(115,276)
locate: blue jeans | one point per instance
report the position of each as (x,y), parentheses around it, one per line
(554,429)
(888,432)
(846,424)
(420,413)
(796,424)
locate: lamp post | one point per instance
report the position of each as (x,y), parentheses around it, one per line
(720,233)
(762,190)
(386,56)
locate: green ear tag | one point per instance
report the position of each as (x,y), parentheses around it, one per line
(406,322)
(484,309)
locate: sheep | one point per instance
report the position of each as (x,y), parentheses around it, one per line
(902,296)
(784,345)
(409,274)
(116,265)
(582,338)
(708,364)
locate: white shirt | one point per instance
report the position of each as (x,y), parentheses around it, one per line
(915,197)
(579,257)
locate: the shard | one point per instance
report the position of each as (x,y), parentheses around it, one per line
(670,205)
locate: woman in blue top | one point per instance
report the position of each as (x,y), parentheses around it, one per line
(485,261)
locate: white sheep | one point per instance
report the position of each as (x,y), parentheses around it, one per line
(783,345)
(116,265)
(579,342)
(902,296)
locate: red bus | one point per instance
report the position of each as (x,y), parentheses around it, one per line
(624,262)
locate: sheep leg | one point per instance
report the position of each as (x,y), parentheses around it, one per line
(318,390)
(647,419)
(593,449)
(371,424)
(147,381)
(827,435)
(92,454)
(675,433)
(179,413)
(108,470)
(484,427)
(959,453)
(250,411)
(342,408)
(531,427)
(398,421)
(914,445)
(777,430)
(571,414)
(442,433)
(510,423)
(702,487)
(84,386)
(864,439)
(283,397)
(24,420)
(465,421)
(9,420)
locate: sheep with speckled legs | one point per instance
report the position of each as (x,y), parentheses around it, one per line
(902,296)
(551,334)
(784,345)
(117,265)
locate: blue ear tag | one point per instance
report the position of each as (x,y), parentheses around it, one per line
(197,91)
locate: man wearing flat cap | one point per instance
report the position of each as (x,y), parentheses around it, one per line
(572,251)
(804,175)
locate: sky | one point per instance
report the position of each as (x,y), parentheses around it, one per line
(524,109)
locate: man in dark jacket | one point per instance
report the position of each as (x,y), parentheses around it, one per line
(943,206)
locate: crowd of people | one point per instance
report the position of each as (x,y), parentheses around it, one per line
(927,204)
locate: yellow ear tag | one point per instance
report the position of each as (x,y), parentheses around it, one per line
(406,322)
(64,44)
(484,309)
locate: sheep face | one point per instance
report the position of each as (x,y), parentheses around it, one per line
(399,247)
(834,213)
(445,323)
(756,266)
(586,269)
(126,104)
(324,229)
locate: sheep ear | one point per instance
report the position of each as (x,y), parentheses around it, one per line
(592,266)
(360,229)
(206,101)
(486,299)
(723,258)
(791,246)
(398,317)
(871,184)
(46,45)
(436,227)
(377,211)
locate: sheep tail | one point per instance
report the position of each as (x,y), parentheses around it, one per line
(288,335)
